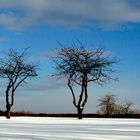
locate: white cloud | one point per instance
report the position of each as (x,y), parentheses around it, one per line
(18,15)
(11,21)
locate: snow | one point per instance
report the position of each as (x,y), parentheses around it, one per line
(45,128)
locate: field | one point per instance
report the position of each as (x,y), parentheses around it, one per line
(45,128)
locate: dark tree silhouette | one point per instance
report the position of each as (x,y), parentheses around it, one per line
(108,105)
(80,67)
(16,71)
(125,108)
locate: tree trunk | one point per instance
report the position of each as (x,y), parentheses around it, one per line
(8,111)
(79,113)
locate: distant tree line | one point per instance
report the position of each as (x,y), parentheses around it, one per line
(78,65)
(109,105)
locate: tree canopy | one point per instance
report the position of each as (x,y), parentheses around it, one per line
(16,71)
(81,66)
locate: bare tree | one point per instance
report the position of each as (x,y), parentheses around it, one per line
(16,71)
(80,67)
(125,108)
(107,105)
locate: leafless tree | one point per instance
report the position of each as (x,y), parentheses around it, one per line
(16,71)
(80,67)
(107,105)
(125,108)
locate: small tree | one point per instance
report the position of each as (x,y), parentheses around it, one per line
(125,108)
(81,67)
(16,71)
(107,104)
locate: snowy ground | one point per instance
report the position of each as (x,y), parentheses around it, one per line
(28,128)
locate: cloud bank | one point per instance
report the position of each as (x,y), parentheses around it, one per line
(19,15)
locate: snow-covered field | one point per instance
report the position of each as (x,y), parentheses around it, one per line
(29,128)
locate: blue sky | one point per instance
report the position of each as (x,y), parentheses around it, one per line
(39,24)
